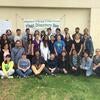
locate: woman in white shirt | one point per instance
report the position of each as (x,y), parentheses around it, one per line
(44,48)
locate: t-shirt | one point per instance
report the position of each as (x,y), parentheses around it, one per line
(6,67)
(68,45)
(6,53)
(77,45)
(58,45)
(39,61)
(96,60)
(81,36)
(63,62)
(24,63)
(36,45)
(17,38)
(52,63)
(16,54)
(62,38)
(51,46)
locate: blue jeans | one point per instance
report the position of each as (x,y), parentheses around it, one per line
(24,74)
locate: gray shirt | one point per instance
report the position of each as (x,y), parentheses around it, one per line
(96,60)
(24,63)
(16,54)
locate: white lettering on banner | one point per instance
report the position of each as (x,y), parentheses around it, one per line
(41,24)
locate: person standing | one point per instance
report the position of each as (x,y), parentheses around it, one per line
(77,31)
(78,44)
(59,46)
(68,43)
(18,35)
(51,44)
(44,48)
(49,32)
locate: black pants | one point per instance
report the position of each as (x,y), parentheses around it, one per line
(97,71)
(76,72)
(46,70)
(83,72)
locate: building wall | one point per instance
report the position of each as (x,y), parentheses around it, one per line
(71,13)
(50,3)
(69,17)
(95,26)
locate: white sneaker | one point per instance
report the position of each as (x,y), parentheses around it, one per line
(2,77)
(10,77)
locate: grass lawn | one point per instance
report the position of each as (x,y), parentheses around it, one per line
(60,87)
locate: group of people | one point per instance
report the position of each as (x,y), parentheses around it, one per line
(28,54)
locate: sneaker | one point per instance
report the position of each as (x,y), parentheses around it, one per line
(10,77)
(2,77)
(53,74)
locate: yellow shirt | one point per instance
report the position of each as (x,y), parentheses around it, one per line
(7,67)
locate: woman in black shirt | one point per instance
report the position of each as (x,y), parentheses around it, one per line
(63,62)
(51,44)
(78,44)
(38,63)
(68,43)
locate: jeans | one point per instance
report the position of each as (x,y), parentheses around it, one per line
(24,74)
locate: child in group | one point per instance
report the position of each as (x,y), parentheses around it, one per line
(75,62)
(86,64)
(24,69)
(7,68)
(63,62)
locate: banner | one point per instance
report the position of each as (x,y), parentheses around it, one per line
(4,25)
(41,24)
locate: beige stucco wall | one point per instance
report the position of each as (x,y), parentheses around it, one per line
(51,3)
(16,10)
(69,17)
(95,26)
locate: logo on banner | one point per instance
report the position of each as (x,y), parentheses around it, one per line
(41,24)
